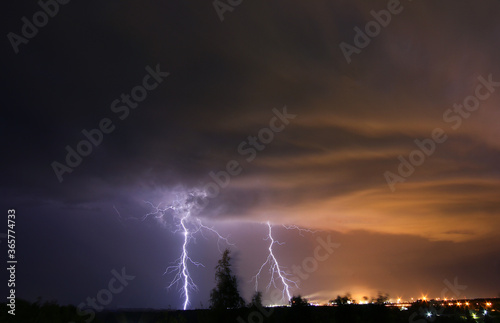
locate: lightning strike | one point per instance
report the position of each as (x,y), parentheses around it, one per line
(184,257)
(181,217)
(277,273)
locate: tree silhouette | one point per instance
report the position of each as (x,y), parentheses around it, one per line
(256,300)
(342,300)
(298,301)
(225,294)
(382,298)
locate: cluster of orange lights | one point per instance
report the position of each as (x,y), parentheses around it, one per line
(444,302)
(451,303)
(466,303)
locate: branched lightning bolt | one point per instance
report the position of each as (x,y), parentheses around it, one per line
(277,273)
(180,215)
(180,269)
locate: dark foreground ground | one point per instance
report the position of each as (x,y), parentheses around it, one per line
(52,313)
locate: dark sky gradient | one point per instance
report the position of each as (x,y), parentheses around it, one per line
(324,171)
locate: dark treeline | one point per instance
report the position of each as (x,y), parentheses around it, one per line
(50,312)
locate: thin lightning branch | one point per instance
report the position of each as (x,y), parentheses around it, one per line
(119,216)
(277,273)
(301,230)
(220,238)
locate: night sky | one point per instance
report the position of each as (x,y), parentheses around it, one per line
(331,122)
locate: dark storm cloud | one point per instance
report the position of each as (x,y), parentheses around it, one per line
(352,120)
(324,170)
